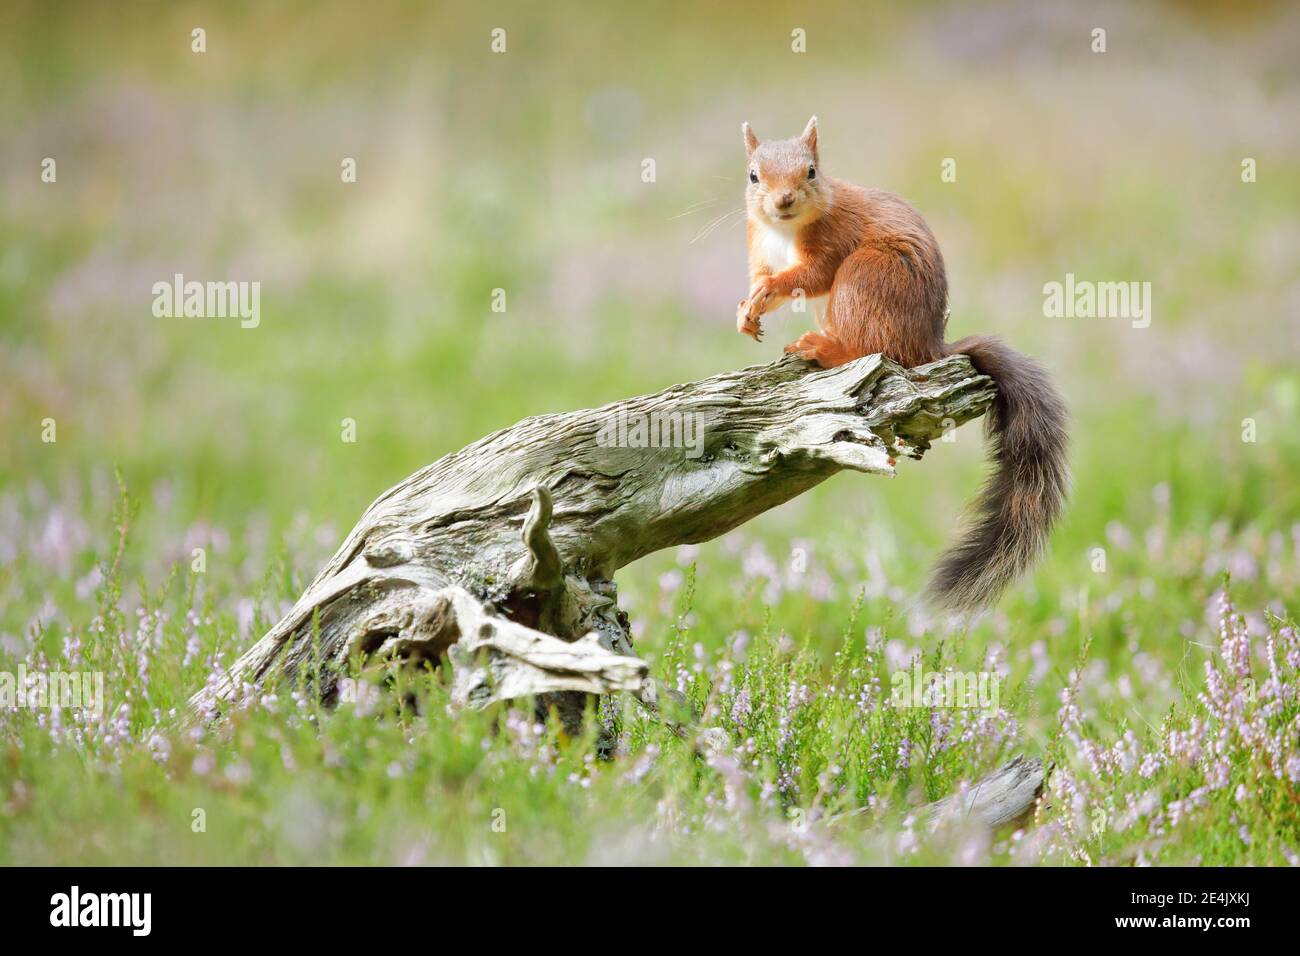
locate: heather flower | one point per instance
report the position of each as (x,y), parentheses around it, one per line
(905,753)
(159,748)
(741,708)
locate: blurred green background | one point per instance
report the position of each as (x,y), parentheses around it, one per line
(522,171)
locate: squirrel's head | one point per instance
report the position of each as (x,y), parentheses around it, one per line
(786,187)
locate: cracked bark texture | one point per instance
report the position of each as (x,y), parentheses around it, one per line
(506,550)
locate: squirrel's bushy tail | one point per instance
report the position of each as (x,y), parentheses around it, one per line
(1023,497)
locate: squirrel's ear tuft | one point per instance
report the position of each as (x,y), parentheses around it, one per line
(751,141)
(810,134)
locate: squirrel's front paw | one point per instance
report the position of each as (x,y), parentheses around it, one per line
(760,297)
(747,323)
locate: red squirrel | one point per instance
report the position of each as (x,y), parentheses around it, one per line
(877,264)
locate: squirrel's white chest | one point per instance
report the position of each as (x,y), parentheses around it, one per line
(777,248)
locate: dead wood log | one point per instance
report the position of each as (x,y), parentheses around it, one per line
(1003,798)
(506,550)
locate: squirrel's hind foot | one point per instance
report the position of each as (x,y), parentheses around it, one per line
(820,348)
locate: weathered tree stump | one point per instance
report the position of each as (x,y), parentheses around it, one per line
(503,555)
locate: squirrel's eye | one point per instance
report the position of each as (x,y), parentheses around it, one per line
(812,172)
(753,177)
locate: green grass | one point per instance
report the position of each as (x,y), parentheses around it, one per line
(814,731)
(522,172)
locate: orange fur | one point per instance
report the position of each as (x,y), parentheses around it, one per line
(868,251)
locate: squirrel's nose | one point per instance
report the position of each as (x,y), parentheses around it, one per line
(785,201)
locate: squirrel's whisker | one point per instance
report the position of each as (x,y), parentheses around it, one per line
(714,224)
(695,207)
